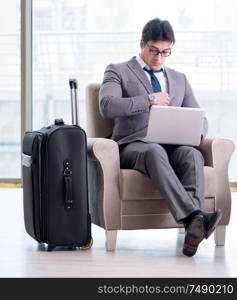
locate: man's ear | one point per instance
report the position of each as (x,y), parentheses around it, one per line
(142,44)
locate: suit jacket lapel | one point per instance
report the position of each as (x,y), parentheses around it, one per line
(171,83)
(138,71)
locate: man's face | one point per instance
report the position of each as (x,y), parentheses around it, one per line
(149,53)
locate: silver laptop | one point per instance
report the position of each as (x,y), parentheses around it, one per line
(175,125)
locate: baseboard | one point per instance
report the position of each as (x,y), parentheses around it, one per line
(10,183)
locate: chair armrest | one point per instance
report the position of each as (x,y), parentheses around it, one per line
(213,149)
(106,153)
(217,153)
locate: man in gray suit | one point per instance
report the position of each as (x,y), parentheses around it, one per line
(126,95)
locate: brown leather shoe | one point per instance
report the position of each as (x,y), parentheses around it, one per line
(211,220)
(195,233)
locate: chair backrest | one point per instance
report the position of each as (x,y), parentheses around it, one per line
(97,126)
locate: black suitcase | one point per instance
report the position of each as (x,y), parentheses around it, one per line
(55,183)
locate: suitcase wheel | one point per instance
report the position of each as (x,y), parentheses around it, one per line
(88,245)
(51,247)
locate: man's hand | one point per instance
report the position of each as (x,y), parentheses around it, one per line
(161,99)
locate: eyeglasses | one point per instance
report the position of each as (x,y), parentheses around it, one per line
(155,51)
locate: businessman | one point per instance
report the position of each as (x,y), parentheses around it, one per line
(128,91)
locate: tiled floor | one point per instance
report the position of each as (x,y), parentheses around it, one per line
(139,253)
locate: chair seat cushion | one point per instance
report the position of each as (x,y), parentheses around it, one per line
(134,185)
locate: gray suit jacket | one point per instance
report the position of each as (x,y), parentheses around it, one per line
(124,93)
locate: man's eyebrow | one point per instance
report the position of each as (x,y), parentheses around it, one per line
(158,48)
(154,47)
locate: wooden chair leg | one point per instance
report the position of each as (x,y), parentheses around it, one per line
(219,235)
(181,230)
(111,237)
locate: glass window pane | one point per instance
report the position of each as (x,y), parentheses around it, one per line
(10,89)
(71,39)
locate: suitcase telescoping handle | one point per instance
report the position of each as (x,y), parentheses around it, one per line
(73,87)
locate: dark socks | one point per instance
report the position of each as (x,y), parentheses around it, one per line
(188,219)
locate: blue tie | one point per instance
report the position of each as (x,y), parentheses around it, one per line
(154,81)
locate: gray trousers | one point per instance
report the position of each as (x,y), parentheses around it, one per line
(176,171)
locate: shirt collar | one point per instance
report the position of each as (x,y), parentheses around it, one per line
(142,63)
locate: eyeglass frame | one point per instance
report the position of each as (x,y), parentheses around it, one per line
(157,51)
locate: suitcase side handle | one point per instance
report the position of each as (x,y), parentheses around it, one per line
(67,174)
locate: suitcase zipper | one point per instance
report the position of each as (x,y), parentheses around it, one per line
(43,187)
(40,187)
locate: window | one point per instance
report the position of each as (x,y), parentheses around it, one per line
(10,89)
(72,40)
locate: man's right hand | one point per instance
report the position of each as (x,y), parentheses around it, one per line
(161,99)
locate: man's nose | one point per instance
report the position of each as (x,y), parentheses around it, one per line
(159,57)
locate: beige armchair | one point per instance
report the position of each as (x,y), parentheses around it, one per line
(127,199)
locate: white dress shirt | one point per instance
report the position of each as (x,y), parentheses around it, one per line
(160,76)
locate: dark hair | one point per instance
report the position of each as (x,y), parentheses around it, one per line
(157,30)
